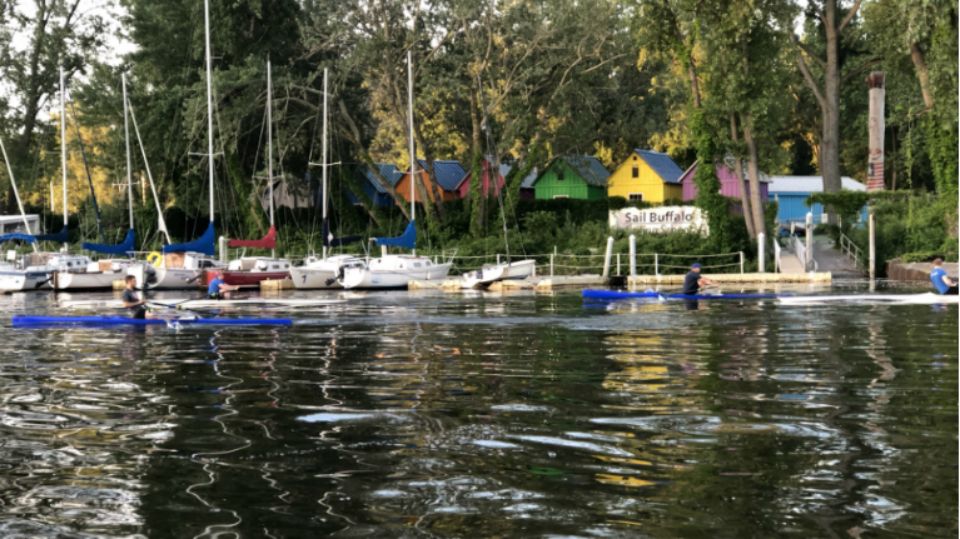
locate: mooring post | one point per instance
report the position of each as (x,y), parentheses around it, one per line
(762,252)
(553,255)
(633,256)
(498,259)
(618,265)
(656,264)
(808,258)
(608,254)
(223,249)
(871,232)
(741,262)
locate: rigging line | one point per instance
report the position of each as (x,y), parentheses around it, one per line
(86,169)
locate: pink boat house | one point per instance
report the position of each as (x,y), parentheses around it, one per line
(729,186)
(487,186)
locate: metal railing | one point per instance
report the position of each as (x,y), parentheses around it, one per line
(850,250)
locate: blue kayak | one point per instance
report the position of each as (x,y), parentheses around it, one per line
(612,295)
(23,320)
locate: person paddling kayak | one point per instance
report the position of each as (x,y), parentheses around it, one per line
(217,289)
(941,281)
(693,281)
(131,300)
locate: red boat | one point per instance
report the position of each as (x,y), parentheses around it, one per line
(248,272)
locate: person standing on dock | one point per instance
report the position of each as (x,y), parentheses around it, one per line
(217,289)
(131,300)
(693,281)
(941,281)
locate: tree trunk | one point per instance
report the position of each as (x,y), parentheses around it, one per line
(759,225)
(923,75)
(830,139)
(738,172)
(476,197)
(694,83)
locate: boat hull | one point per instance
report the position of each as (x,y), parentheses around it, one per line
(152,278)
(488,275)
(65,280)
(23,280)
(377,278)
(245,279)
(320,273)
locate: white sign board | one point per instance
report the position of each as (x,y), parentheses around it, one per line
(662,219)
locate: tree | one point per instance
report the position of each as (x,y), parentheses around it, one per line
(828,15)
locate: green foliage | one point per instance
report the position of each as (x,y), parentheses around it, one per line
(845,203)
(912,227)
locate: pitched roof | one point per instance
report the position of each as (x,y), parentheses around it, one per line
(661,164)
(529,179)
(719,168)
(588,167)
(448,173)
(809,184)
(388,171)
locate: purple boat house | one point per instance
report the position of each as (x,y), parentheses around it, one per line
(729,186)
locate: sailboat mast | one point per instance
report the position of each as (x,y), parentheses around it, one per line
(16,192)
(270,137)
(63,143)
(323,146)
(206,32)
(273,252)
(126,140)
(413,157)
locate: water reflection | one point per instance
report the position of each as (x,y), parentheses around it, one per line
(397,415)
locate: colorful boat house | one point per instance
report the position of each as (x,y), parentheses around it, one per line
(448,173)
(729,186)
(646,176)
(791,192)
(373,189)
(486,165)
(580,177)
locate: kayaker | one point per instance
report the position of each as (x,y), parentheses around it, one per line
(131,300)
(217,289)
(693,281)
(941,281)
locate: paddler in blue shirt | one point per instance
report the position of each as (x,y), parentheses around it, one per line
(941,281)
(217,289)
(131,300)
(693,281)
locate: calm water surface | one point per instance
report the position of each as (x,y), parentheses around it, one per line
(447,415)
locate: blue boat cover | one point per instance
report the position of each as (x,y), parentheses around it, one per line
(24,320)
(330,241)
(619,294)
(62,236)
(407,240)
(204,244)
(18,236)
(121,248)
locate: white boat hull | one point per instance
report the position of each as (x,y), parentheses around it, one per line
(487,275)
(927,298)
(320,273)
(65,280)
(162,278)
(14,280)
(393,272)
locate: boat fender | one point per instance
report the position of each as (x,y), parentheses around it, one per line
(155,259)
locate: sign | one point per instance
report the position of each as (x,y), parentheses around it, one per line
(662,219)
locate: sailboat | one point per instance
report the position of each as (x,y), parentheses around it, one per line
(181,265)
(35,270)
(14,276)
(250,271)
(396,271)
(101,275)
(322,272)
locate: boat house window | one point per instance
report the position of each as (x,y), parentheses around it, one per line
(560,175)
(560,196)
(638,197)
(636,172)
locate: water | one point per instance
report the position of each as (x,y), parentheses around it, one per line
(444,415)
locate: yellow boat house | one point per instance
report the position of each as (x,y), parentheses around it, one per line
(646,176)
